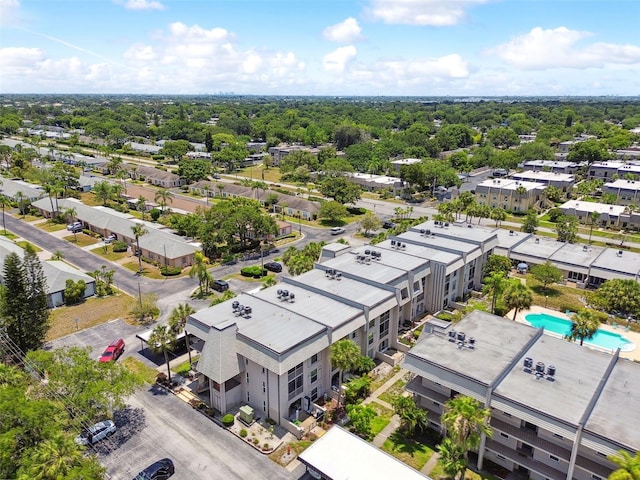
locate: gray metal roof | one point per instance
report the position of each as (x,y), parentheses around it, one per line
(423,251)
(611,264)
(536,249)
(495,347)
(616,414)
(10,188)
(374,270)
(578,373)
(575,256)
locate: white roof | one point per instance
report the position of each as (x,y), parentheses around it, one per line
(340,455)
(589,207)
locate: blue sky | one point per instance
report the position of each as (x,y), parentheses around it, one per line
(328,47)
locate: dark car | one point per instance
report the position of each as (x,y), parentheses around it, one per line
(220,285)
(160,470)
(273,267)
(389,224)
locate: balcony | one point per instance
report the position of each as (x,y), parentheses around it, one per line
(415,386)
(525,461)
(594,467)
(529,437)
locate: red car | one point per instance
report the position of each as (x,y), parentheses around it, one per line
(113,351)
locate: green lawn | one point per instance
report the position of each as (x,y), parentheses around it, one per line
(50,226)
(136,366)
(394,390)
(184,367)
(24,243)
(412,451)
(382,420)
(110,255)
(81,240)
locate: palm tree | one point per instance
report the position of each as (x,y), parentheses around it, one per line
(199,270)
(517,297)
(493,285)
(57,255)
(594,217)
(162,340)
(55,457)
(69,215)
(628,466)
(412,416)
(163,196)
(584,326)
(142,205)
(464,421)
(178,322)
(102,191)
(23,203)
(3,201)
(345,355)
(138,231)
(452,458)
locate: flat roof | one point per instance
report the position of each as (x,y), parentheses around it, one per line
(438,241)
(576,254)
(578,373)
(423,251)
(494,350)
(611,260)
(341,455)
(593,207)
(621,396)
(458,230)
(542,175)
(624,184)
(509,184)
(537,248)
(550,163)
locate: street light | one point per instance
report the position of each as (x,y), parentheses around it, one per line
(546,300)
(300,223)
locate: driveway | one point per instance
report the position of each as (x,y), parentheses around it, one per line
(157,425)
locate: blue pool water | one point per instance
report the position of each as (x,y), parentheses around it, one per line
(560,326)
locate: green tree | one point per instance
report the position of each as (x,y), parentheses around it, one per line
(162,340)
(345,356)
(103,191)
(628,466)
(617,295)
(494,285)
(546,273)
(199,271)
(138,231)
(497,264)
(583,326)
(332,211)
(412,417)
(453,458)
(340,189)
(567,229)
(530,223)
(361,416)
(464,421)
(178,322)
(74,291)
(194,169)
(593,219)
(517,296)
(162,197)
(176,149)
(141,206)
(146,308)
(553,193)
(370,222)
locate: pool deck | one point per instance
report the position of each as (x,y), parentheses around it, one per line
(631,336)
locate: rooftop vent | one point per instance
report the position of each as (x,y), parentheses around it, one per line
(292,297)
(393,243)
(446,224)
(585,248)
(427,232)
(461,336)
(422,231)
(338,275)
(551,370)
(235,303)
(528,362)
(452,335)
(537,240)
(367,252)
(247,311)
(619,253)
(511,232)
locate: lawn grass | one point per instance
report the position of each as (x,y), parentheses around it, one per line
(27,218)
(24,243)
(437,473)
(89,198)
(557,297)
(382,419)
(184,367)
(83,240)
(90,313)
(9,235)
(50,226)
(272,174)
(149,271)
(110,255)
(378,382)
(144,371)
(412,451)
(393,391)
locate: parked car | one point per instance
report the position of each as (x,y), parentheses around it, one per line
(110,238)
(75,227)
(113,351)
(273,267)
(220,285)
(96,432)
(337,230)
(389,224)
(160,470)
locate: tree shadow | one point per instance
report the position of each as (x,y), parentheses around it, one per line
(548,291)
(156,389)
(410,444)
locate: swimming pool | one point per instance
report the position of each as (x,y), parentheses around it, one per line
(602,339)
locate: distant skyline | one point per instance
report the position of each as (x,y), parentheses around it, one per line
(330,47)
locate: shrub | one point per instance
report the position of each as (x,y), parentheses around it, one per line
(228,420)
(265,446)
(256,441)
(270,421)
(155,214)
(169,271)
(119,246)
(243,433)
(255,272)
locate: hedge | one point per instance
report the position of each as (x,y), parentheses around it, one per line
(120,247)
(254,271)
(169,271)
(228,420)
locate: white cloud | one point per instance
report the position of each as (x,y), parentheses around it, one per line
(142,5)
(345,32)
(143,53)
(557,48)
(9,11)
(421,12)
(338,60)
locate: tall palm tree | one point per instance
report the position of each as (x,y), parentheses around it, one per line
(584,326)
(142,205)
(593,217)
(493,285)
(69,215)
(199,270)
(465,420)
(3,201)
(162,340)
(517,297)
(178,321)
(628,466)
(163,196)
(345,355)
(452,458)
(138,231)
(102,191)
(55,457)
(23,202)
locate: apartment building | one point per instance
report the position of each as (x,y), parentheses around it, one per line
(554,166)
(608,170)
(608,215)
(627,192)
(557,409)
(509,194)
(562,181)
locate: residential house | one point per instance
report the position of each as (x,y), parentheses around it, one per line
(562,181)
(608,215)
(558,410)
(612,170)
(375,183)
(627,192)
(10,189)
(398,164)
(155,176)
(145,148)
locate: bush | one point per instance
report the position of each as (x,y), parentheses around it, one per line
(243,433)
(119,246)
(228,420)
(169,271)
(265,446)
(155,214)
(255,272)
(256,441)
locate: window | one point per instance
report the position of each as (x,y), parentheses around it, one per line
(247,377)
(314,358)
(295,380)
(314,375)
(416,286)
(554,458)
(264,406)
(371,335)
(314,394)
(437,404)
(562,438)
(384,324)
(504,435)
(248,397)
(601,454)
(264,387)
(500,456)
(354,335)
(404,293)
(506,414)
(372,323)
(596,477)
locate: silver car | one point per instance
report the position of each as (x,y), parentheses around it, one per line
(95,433)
